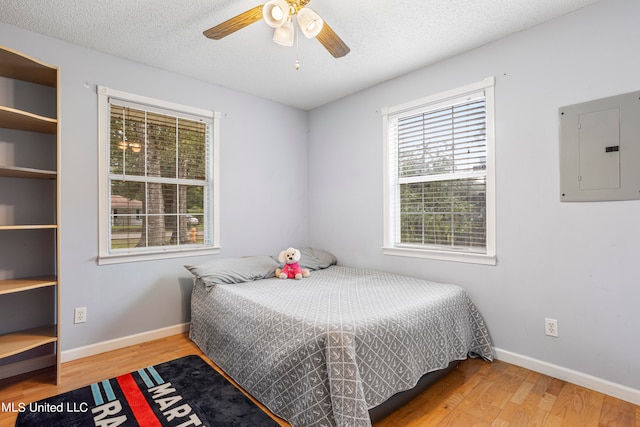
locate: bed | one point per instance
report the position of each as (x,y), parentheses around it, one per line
(329,349)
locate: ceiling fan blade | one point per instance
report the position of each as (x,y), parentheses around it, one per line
(332,42)
(234,24)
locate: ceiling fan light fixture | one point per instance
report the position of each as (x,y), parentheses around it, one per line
(310,22)
(284,34)
(275,13)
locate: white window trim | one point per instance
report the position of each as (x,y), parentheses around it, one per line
(148,254)
(430,102)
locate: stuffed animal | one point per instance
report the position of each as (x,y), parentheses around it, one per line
(291,269)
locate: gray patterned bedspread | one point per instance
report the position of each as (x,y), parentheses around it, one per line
(323,350)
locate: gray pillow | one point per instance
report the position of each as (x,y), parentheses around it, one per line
(316,259)
(234,270)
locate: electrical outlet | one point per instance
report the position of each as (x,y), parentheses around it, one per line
(80,315)
(551,327)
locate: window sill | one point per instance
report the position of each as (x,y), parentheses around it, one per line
(467,257)
(120,258)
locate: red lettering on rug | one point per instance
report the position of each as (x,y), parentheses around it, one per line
(138,403)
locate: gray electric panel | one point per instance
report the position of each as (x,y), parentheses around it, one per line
(600,149)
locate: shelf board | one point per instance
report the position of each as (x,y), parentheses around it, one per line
(16,65)
(10,286)
(19,172)
(18,342)
(28,227)
(11,118)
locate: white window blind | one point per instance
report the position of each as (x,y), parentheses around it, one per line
(159,180)
(437,172)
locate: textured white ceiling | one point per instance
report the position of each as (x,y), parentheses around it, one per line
(387,38)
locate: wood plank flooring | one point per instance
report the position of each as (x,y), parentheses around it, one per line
(476,393)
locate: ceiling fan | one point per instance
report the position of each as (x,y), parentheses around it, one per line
(279,14)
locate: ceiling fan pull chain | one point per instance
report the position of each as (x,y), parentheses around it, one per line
(297,50)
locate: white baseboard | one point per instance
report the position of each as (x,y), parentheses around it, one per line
(102,347)
(584,380)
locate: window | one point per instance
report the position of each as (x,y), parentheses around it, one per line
(439,170)
(158,179)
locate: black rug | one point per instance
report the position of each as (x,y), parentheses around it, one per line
(182,392)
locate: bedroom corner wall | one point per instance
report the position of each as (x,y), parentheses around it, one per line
(126,300)
(574,262)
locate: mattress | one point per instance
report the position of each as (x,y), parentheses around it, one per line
(323,350)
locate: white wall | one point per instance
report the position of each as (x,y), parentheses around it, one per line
(575,262)
(128,299)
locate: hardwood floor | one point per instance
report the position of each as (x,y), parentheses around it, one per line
(476,393)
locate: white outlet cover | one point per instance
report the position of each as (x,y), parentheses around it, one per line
(551,327)
(80,315)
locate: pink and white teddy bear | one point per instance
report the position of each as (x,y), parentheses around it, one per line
(291,269)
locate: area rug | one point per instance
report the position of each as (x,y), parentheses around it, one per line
(182,392)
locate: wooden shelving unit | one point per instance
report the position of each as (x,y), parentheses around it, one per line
(18,172)
(11,118)
(26,284)
(19,341)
